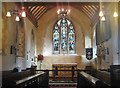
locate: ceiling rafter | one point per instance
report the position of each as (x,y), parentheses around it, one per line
(95,18)
(91,12)
(87,12)
(32,18)
(95,7)
(91,8)
(42,12)
(59,3)
(32,9)
(29,7)
(37,9)
(82,10)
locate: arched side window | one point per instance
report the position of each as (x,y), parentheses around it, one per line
(63,37)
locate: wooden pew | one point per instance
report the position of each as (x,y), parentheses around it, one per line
(14,75)
(35,81)
(8,77)
(102,75)
(87,81)
(115,76)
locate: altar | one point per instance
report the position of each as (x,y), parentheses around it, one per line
(64,70)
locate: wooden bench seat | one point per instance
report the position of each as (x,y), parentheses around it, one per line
(115,76)
(34,81)
(102,75)
(87,81)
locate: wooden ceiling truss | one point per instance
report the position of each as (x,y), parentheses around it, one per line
(35,10)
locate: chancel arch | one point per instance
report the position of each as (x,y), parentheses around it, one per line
(46,32)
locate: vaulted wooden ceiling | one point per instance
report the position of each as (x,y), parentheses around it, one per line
(35,10)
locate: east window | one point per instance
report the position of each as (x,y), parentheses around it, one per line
(63,37)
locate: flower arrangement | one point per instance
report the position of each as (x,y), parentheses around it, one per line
(40,59)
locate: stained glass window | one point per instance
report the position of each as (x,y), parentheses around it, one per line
(63,37)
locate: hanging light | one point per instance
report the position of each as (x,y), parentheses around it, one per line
(62,9)
(18,13)
(63,12)
(23,14)
(103,18)
(58,11)
(115,14)
(101,13)
(8,14)
(68,11)
(17,18)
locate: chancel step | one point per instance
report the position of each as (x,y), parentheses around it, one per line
(63,85)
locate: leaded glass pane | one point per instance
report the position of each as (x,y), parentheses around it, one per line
(63,37)
(71,40)
(63,28)
(56,40)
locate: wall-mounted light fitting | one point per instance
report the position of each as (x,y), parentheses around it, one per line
(17,13)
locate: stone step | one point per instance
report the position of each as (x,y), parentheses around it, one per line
(63,84)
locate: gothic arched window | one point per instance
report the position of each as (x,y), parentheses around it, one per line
(63,37)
